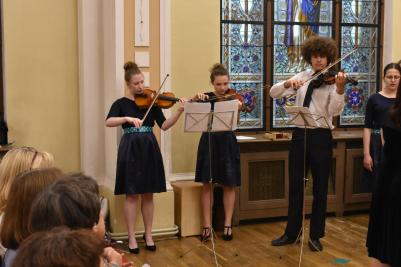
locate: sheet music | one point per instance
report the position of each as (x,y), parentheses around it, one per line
(196,116)
(225,116)
(301,116)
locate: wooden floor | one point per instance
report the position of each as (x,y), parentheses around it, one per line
(344,245)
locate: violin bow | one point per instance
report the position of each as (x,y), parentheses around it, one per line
(328,67)
(332,64)
(155,98)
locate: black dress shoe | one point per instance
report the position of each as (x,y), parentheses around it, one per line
(283,240)
(149,247)
(228,236)
(315,245)
(206,234)
(133,250)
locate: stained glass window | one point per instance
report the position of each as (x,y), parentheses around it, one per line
(261,43)
(360,26)
(242,29)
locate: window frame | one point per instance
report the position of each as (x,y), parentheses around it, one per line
(268,59)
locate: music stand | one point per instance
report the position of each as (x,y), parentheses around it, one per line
(200,117)
(302,117)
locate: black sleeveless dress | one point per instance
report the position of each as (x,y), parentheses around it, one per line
(384,232)
(224,156)
(376,111)
(139,161)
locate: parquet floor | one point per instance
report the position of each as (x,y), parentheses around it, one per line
(344,245)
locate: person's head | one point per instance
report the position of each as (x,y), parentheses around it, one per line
(17,161)
(83,181)
(134,78)
(391,76)
(60,247)
(24,189)
(220,78)
(319,51)
(66,203)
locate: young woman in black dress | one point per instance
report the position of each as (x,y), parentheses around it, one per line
(140,170)
(376,110)
(224,160)
(384,232)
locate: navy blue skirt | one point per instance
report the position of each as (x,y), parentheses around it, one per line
(225,159)
(139,165)
(376,150)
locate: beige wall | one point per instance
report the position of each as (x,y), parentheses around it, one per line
(396,36)
(195,45)
(41,77)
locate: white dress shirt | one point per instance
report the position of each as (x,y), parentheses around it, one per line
(325,99)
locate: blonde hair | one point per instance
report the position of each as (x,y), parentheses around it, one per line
(17,161)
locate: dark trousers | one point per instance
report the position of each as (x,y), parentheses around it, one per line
(318,160)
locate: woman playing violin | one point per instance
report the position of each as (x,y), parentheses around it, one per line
(224,157)
(325,100)
(140,170)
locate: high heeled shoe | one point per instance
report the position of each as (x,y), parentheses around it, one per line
(206,234)
(229,235)
(148,247)
(133,250)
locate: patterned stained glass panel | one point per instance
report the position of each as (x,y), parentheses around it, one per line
(361,12)
(361,65)
(243,10)
(242,30)
(316,11)
(356,99)
(287,51)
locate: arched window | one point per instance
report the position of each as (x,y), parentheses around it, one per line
(261,42)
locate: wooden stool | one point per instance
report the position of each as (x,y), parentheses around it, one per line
(187,206)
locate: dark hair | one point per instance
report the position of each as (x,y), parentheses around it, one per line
(65,203)
(60,247)
(130,68)
(218,70)
(391,66)
(24,189)
(83,181)
(317,45)
(395,111)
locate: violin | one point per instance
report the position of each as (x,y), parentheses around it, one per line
(164,100)
(229,94)
(329,77)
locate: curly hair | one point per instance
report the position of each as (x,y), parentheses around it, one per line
(317,45)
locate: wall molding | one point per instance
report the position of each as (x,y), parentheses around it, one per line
(165,68)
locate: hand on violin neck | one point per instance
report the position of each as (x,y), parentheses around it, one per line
(293,84)
(182,102)
(134,121)
(341,79)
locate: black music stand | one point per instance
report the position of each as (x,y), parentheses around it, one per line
(200,117)
(302,117)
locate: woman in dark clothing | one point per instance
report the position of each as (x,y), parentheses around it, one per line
(140,168)
(224,160)
(376,110)
(384,232)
